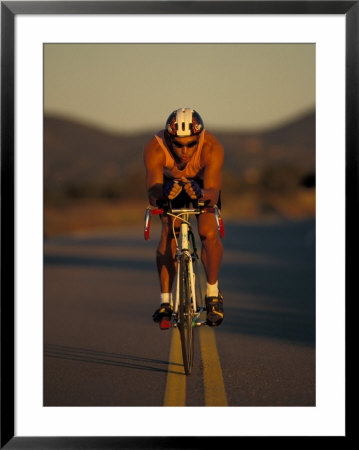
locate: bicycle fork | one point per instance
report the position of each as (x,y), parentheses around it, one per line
(187,251)
(192,279)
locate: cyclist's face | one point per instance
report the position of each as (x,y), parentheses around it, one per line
(184,147)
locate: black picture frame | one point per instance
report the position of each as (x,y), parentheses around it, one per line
(9,9)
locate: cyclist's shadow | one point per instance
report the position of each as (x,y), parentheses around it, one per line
(106,358)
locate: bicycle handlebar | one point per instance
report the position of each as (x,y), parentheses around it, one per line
(181,210)
(173,211)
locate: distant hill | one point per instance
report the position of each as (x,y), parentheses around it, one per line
(74,152)
(78,155)
(290,144)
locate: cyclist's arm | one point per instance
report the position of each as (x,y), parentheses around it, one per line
(212,178)
(154,161)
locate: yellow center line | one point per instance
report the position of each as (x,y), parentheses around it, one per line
(175,394)
(214,391)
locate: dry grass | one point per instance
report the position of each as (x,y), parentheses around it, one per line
(91,215)
(252,206)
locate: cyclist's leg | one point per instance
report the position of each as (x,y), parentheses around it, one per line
(165,256)
(212,248)
(166,262)
(166,266)
(212,251)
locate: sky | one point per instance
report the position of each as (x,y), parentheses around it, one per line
(134,87)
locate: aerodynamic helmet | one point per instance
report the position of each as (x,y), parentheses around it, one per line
(184,122)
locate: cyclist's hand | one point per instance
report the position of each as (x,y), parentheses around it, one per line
(192,188)
(171,189)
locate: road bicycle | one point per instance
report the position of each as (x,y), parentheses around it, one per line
(189,295)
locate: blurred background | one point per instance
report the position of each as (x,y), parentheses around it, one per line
(104,102)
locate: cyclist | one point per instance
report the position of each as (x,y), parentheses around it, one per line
(185,151)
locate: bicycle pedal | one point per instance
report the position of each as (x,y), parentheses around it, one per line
(165,324)
(201,324)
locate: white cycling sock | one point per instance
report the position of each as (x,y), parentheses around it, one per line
(212,289)
(166,297)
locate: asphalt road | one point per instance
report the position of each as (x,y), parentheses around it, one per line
(101,347)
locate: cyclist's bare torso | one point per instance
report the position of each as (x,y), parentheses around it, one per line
(172,162)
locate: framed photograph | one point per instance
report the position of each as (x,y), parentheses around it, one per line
(88,89)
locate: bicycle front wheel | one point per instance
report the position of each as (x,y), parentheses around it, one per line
(186,315)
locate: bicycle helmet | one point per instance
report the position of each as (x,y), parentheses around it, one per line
(184,122)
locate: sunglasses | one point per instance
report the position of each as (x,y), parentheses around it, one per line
(189,145)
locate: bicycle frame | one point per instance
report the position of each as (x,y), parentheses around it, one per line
(186,314)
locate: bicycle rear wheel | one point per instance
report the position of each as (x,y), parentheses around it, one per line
(186,316)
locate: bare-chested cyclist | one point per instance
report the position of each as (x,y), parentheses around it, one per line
(185,151)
